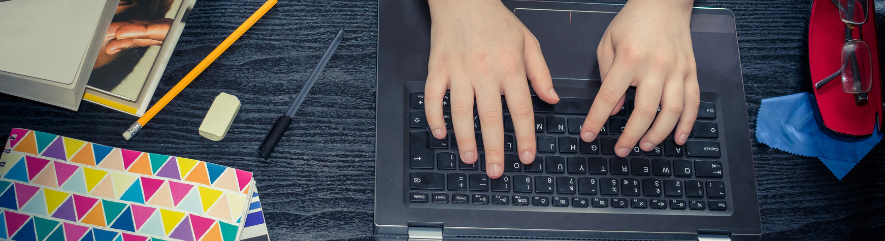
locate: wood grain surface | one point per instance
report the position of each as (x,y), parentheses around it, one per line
(319,183)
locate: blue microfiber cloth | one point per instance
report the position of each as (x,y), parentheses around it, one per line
(787,123)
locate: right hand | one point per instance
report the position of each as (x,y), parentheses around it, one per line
(479,48)
(125,35)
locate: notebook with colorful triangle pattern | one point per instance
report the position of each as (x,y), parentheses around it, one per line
(58,188)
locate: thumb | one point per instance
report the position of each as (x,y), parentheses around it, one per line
(537,71)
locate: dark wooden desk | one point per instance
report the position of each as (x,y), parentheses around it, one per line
(319,184)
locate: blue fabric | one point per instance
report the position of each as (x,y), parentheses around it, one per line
(787,123)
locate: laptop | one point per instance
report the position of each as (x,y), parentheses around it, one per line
(704,190)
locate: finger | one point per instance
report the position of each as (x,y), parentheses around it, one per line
(690,110)
(536,70)
(648,97)
(519,103)
(616,84)
(117,45)
(488,104)
(434,91)
(605,55)
(462,120)
(619,106)
(671,109)
(156,30)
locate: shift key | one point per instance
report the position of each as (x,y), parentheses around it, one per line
(702,149)
(427,181)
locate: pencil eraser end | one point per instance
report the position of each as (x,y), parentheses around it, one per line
(127,136)
(220,116)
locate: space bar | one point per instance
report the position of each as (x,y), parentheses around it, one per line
(566,105)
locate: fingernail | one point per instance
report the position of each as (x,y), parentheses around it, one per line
(495,170)
(527,157)
(682,138)
(553,94)
(469,157)
(587,136)
(623,151)
(647,146)
(438,133)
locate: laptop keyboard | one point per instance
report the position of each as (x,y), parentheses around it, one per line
(568,172)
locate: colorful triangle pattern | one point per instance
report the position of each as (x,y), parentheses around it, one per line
(74,232)
(28,144)
(56,150)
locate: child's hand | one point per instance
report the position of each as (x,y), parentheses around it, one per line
(647,45)
(479,48)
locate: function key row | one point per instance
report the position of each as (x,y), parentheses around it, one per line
(578,202)
(566,185)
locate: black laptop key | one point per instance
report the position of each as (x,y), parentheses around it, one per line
(512,163)
(508,122)
(574,125)
(599,202)
(636,151)
(682,168)
(661,167)
(640,166)
(427,181)
(539,123)
(480,199)
(447,119)
(478,138)
(460,198)
(597,165)
(571,105)
(697,205)
(707,110)
(481,162)
(509,143)
(416,100)
(568,144)
(608,186)
(590,147)
(657,151)
(440,198)
(580,202)
(718,206)
(658,204)
(539,106)
(520,200)
(501,184)
(522,184)
(577,165)
(604,129)
(587,186)
(418,197)
(456,181)
(638,203)
(566,185)
(500,200)
(672,188)
(453,142)
(619,166)
(607,145)
(446,160)
(540,201)
(418,119)
(625,110)
(630,187)
(555,124)
(705,130)
(555,164)
(467,167)
(715,189)
(536,166)
(652,187)
(616,125)
(694,188)
(677,204)
(420,156)
(619,202)
(672,149)
(708,168)
(546,144)
(479,182)
(560,201)
(702,149)
(434,143)
(544,184)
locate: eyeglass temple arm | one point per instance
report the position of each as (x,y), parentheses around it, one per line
(827,79)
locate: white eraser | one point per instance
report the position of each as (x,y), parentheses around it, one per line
(221,114)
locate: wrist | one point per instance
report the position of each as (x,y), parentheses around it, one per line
(442,8)
(675,8)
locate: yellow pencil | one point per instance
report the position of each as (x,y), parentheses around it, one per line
(135,127)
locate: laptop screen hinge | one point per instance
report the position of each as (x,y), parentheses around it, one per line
(714,235)
(425,232)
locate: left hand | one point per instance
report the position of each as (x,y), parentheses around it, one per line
(647,45)
(127,35)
